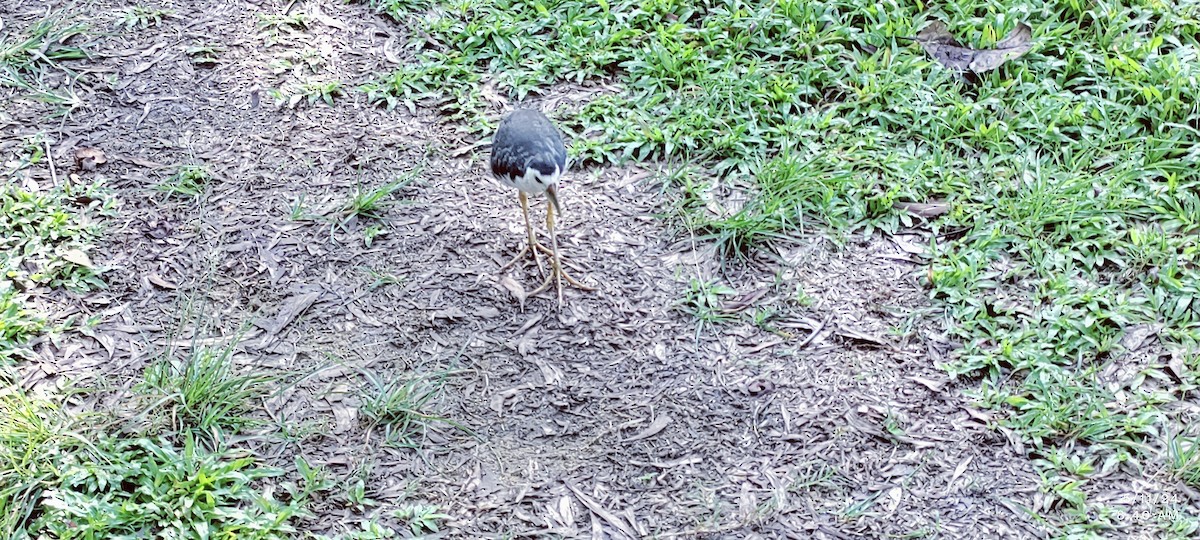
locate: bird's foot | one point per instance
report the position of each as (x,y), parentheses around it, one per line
(557,276)
(536,260)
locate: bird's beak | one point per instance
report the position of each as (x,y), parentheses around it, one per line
(552,194)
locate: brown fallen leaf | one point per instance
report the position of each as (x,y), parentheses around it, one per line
(89,158)
(515,289)
(291,308)
(743,301)
(925,210)
(161,283)
(937,40)
(656,426)
(77,257)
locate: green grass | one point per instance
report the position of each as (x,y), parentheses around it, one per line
(401,407)
(310,91)
(59,477)
(1070,172)
(189,181)
(30,58)
(370,202)
(141,17)
(202,391)
(46,238)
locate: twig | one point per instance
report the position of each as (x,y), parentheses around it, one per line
(50,161)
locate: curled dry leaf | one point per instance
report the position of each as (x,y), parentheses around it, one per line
(940,44)
(515,289)
(89,158)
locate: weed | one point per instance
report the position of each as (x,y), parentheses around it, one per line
(287,23)
(178,489)
(380,279)
(369,202)
(312,481)
(188,181)
(31,433)
(370,232)
(1184,457)
(142,17)
(45,241)
(703,301)
(421,518)
(313,91)
(307,60)
(399,405)
(28,58)
(202,391)
(298,209)
(204,55)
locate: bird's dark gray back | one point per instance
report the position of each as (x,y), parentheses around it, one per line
(527,139)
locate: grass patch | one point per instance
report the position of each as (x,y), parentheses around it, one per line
(370,202)
(202,391)
(60,478)
(29,58)
(46,237)
(400,406)
(189,181)
(1069,174)
(310,91)
(141,17)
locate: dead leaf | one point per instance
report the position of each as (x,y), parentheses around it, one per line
(77,257)
(604,514)
(1177,365)
(925,210)
(961,468)
(515,289)
(1138,336)
(935,386)
(656,426)
(291,308)
(89,158)
(743,301)
(937,40)
(161,283)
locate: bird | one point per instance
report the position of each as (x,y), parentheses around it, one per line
(528,154)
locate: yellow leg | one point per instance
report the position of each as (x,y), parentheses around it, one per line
(557,274)
(533,245)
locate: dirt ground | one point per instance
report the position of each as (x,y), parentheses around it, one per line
(612,418)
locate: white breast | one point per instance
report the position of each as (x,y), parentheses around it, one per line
(533,181)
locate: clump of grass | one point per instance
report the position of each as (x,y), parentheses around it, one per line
(399,405)
(31,434)
(202,391)
(703,301)
(177,489)
(312,91)
(421,518)
(204,55)
(1184,454)
(289,23)
(29,56)
(188,181)
(379,278)
(369,202)
(58,477)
